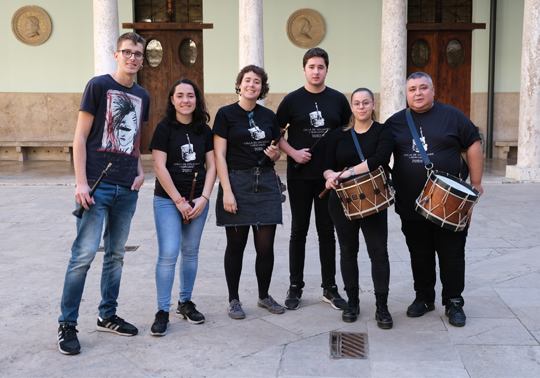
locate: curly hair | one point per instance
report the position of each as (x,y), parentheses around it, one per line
(200,115)
(257,71)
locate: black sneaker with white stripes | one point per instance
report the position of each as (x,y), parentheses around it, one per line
(68,343)
(116,325)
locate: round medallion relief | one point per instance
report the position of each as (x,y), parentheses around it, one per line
(455,54)
(31,25)
(154,52)
(420,53)
(305,28)
(188,52)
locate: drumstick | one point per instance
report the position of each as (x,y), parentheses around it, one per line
(323,193)
(194,182)
(265,158)
(298,165)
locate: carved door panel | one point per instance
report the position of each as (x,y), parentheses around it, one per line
(182,57)
(445,55)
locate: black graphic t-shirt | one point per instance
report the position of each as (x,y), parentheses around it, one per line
(247,136)
(115,136)
(186,154)
(310,115)
(376,145)
(444,131)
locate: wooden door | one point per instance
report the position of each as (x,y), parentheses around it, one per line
(182,57)
(445,55)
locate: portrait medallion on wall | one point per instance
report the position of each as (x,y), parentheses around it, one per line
(31,25)
(305,28)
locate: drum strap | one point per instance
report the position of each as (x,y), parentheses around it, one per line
(355,140)
(423,153)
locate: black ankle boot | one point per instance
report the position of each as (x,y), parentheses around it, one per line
(350,314)
(382,315)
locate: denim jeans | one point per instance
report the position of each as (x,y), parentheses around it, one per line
(302,194)
(115,205)
(173,238)
(425,239)
(375,231)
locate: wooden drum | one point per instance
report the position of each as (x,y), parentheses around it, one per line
(366,194)
(447,201)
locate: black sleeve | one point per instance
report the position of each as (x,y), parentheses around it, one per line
(221,124)
(331,149)
(468,132)
(209,139)
(385,146)
(160,139)
(346,112)
(275,126)
(282,113)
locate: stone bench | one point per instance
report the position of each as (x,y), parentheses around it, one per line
(36,150)
(502,148)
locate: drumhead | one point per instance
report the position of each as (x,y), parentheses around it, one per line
(453,184)
(456,185)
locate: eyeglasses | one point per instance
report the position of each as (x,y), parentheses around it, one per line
(363,104)
(128,54)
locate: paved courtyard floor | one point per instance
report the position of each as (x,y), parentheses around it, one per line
(501,338)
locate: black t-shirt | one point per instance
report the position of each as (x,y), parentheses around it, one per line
(376,144)
(115,136)
(444,132)
(186,154)
(246,141)
(310,115)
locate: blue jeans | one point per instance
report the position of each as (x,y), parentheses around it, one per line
(173,238)
(115,205)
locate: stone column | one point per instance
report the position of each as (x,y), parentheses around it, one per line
(106,27)
(528,162)
(393,58)
(251,44)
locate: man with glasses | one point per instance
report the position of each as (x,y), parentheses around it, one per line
(444,132)
(311,111)
(108,130)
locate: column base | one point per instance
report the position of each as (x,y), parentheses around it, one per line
(531,174)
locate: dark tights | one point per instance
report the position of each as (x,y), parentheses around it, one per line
(234,254)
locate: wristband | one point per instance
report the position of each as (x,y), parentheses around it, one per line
(206,198)
(180,200)
(351,169)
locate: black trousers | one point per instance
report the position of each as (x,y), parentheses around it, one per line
(425,239)
(375,231)
(302,194)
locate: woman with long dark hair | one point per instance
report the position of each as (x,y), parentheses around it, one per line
(182,150)
(249,193)
(376,144)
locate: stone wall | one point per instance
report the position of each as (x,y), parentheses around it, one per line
(52,117)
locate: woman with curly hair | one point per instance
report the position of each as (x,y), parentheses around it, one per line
(249,193)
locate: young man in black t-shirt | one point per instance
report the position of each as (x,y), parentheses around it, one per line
(444,132)
(311,111)
(111,114)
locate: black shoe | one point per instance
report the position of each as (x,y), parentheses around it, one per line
(116,325)
(68,343)
(454,311)
(350,313)
(161,323)
(419,307)
(189,312)
(382,315)
(293,297)
(332,296)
